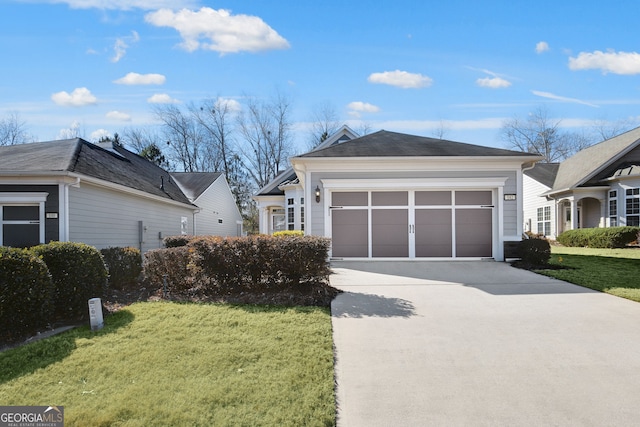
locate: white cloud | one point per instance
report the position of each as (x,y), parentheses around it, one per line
(358,107)
(122,44)
(542,47)
(79,97)
(162,98)
(401,79)
(219,30)
(231,104)
(97,135)
(550,95)
(493,82)
(627,63)
(73,131)
(121,4)
(119,115)
(141,79)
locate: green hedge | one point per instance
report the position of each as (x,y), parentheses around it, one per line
(78,273)
(26,292)
(236,264)
(124,266)
(612,237)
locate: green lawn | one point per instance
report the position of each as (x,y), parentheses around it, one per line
(171,364)
(614,271)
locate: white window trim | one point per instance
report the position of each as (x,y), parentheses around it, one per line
(25,199)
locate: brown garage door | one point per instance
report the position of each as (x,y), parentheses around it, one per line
(412,224)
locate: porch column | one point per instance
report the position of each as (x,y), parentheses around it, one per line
(574,214)
(603,213)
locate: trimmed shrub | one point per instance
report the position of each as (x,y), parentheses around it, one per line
(535,251)
(612,237)
(78,272)
(172,262)
(124,266)
(217,266)
(26,291)
(176,241)
(288,233)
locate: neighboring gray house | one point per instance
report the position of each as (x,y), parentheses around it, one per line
(597,187)
(389,195)
(218,214)
(99,194)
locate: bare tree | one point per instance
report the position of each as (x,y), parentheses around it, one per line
(139,138)
(604,129)
(324,123)
(13,130)
(214,117)
(186,144)
(266,130)
(441,131)
(541,135)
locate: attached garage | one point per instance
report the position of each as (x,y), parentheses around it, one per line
(418,222)
(403,197)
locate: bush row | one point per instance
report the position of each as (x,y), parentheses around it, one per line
(47,284)
(227,265)
(612,237)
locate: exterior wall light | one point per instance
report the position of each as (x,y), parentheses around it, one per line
(317,194)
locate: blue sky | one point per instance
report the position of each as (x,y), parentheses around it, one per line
(406,66)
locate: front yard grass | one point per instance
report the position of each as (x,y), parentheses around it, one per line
(162,363)
(614,271)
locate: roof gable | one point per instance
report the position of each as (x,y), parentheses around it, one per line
(193,184)
(589,162)
(544,173)
(392,144)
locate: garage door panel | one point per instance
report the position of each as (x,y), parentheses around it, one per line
(433,233)
(350,231)
(474,233)
(389,234)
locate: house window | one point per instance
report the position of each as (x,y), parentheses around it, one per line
(291,218)
(302,217)
(290,202)
(277,220)
(544,220)
(22,219)
(633,206)
(613,208)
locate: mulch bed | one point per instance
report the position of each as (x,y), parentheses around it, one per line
(308,294)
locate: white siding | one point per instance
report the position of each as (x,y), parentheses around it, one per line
(102,217)
(217,203)
(532,200)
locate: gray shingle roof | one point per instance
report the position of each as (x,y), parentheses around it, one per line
(544,173)
(116,165)
(193,184)
(392,144)
(585,164)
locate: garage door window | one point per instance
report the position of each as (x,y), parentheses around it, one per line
(22,219)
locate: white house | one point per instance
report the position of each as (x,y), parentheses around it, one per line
(389,195)
(99,194)
(597,187)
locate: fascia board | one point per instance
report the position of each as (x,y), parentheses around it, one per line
(479,182)
(124,189)
(331,164)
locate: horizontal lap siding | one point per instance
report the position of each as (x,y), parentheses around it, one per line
(102,218)
(217,202)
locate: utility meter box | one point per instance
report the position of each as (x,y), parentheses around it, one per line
(95,314)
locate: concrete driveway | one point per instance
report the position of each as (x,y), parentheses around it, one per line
(480,344)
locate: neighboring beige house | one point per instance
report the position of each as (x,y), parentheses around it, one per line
(597,187)
(102,195)
(394,196)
